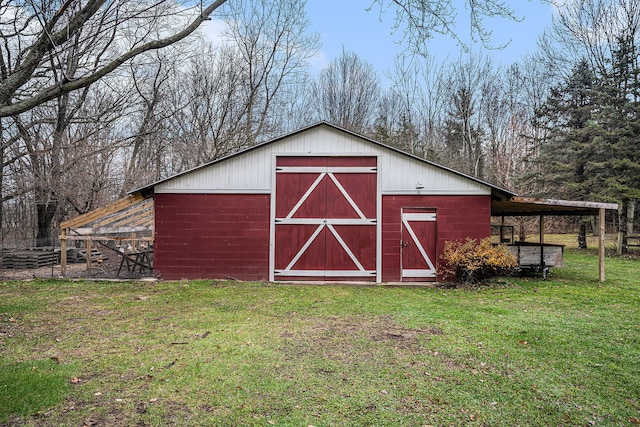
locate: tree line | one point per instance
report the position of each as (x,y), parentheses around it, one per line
(561,122)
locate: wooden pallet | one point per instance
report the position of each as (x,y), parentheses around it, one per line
(80,255)
(43,257)
(26,259)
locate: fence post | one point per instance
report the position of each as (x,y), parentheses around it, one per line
(601,220)
(63,253)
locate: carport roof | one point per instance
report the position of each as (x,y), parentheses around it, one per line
(528,206)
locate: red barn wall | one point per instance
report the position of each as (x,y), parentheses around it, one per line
(227,235)
(213,236)
(458,217)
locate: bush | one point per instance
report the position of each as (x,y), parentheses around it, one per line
(470,261)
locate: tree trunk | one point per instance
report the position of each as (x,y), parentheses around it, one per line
(631,216)
(622,230)
(582,235)
(522,230)
(1,182)
(46,213)
(2,152)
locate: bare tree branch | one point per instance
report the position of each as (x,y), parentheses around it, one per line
(46,41)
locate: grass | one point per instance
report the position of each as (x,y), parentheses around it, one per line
(33,384)
(565,351)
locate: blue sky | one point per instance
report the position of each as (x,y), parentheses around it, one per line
(346,23)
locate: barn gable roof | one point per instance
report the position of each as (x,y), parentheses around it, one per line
(404,159)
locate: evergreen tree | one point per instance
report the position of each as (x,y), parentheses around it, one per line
(560,168)
(593,145)
(616,135)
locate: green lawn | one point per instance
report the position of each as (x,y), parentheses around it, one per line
(527,352)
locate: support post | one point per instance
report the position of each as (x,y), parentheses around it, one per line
(63,253)
(601,220)
(502,230)
(88,254)
(542,241)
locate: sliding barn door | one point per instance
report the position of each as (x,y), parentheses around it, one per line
(325,218)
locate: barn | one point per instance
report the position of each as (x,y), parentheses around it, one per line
(318,204)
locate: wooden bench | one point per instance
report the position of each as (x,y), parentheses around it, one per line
(633,241)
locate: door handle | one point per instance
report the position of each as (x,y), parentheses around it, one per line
(403,244)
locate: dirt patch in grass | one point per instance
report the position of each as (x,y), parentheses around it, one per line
(74,411)
(340,338)
(9,326)
(102,412)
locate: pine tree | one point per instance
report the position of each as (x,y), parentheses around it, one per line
(593,146)
(560,168)
(616,135)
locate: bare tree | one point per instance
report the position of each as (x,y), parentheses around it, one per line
(419,20)
(150,79)
(346,93)
(46,135)
(588,29)
(273,45)
(241,92)
(470,85)
(52,54)
(210,123)
(508,123)
(411,112)
(60,140)
(39,35)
